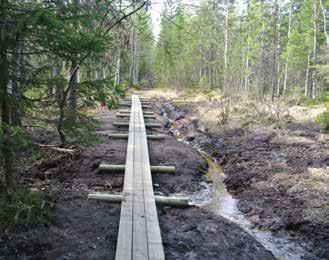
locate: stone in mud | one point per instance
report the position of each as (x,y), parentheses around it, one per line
(166,123)
(172,112)
(190,137)
(204,184)
(50,173)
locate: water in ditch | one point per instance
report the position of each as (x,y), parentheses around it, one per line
(216,199)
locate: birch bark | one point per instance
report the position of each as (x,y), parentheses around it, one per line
(288,54)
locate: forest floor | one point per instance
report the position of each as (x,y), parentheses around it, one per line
(79,228)
(276,161)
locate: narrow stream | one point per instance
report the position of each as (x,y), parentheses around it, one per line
(216,199)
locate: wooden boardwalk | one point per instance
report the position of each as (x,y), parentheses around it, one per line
(139,232)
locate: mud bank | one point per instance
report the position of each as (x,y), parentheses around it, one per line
(280,181)
(82,229)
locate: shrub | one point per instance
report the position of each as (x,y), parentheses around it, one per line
(323,120)
(26,209)
(82,131)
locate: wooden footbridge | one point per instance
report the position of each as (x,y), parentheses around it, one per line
(139,232)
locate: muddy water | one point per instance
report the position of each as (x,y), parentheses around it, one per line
(216,199)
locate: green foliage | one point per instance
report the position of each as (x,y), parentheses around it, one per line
(57,34)
(27,208)
(82,131)
(17,136)
(323,99)
(103,91)
(139,86)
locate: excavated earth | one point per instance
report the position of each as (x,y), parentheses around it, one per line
(85,229)
(280,181)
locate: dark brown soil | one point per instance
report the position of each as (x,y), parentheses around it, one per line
(262,171)
(83,229)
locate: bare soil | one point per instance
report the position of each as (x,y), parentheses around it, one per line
(83,229)
(280,178)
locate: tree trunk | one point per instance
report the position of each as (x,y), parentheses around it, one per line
(60,98)
(117,78)
(324,23)
(89,88)
(134,68)
(287,48)
(212,59)
(60,125)
(278,49)
(6,146)
(306,92)
(73,83)
(313,83)
(226,8)
(275,51)
(16,84)
(246,67)
(260,79)
(246,72)
(72,96)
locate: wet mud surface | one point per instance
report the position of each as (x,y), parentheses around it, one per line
(83,229)
(280,181)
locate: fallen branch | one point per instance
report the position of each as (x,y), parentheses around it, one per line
(56,148)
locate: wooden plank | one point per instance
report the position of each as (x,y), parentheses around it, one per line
(152,222)
(139,232)
(124,244)
(140,240)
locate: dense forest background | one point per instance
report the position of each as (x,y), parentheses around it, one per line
(60,58)
(260,48)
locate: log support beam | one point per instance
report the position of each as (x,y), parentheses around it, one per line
(128,105)
(142,101)
(128,115)
(125,136)
(161,200)
(121,168)
(147,125)
(128,112)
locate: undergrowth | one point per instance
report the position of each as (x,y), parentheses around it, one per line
(323,120)
(323,99)
(82,131)
(27,208)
